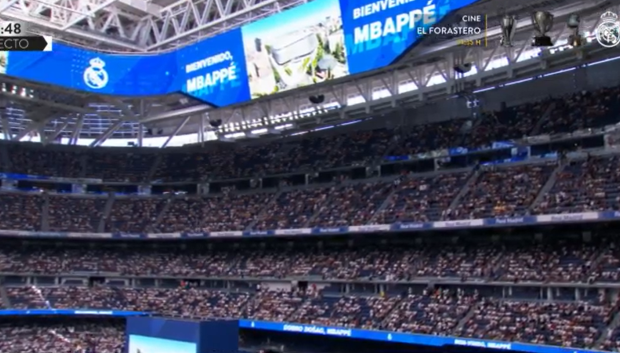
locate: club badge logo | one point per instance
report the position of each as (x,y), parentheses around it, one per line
(95,76)
(608,32)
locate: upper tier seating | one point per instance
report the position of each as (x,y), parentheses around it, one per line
(584,110)
(125,167)
(551,116)
(422,199)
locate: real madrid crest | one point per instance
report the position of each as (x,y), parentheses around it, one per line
(608,32)
(95,76)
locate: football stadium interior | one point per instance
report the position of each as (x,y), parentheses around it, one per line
(310,176)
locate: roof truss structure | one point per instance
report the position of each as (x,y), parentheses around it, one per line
(79,114)
(392,77)
(190,20)
(137,25)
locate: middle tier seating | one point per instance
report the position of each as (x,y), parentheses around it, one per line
(134,215)
(75,214)
(556,261)
(503,192)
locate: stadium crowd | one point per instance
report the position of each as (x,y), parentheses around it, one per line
(491,191)
(564,262)
(442,311)
(501,191)
(558,324)
(583,110)
(41,335)
(565,317)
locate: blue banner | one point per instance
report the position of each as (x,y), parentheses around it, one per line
(12,176)
(214,70)
(377,32)
(319,41)
(259,233)
(399,337)
(130,235)
(87,312)
(564,218)
(124,75)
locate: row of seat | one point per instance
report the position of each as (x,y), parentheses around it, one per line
(578,324)
(40,335)
(581,110)
(508,191)
(552,261)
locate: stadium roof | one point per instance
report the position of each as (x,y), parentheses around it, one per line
(37,111)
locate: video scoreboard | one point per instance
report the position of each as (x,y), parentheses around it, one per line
(323,40)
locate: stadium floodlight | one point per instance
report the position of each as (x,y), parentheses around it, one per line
(215,123)
(318,99)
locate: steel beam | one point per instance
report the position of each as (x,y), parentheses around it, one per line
(128,113)
(5,4)
(204,18)
(99,140)
(197,109)
(36,124)
(204,118)
(54,135)
(58,17)
(176,131)
(6,128)
(140,135)
(58,106)
(178,24)
(75,136)
(91,11)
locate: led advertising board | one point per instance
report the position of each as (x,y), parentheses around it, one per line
(312,43)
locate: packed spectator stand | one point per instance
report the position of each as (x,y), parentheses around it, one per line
(319,152)
(445,311)
(450,192)
(562,262)
(484,192)
(54,335)
(533,292)
(528,291)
